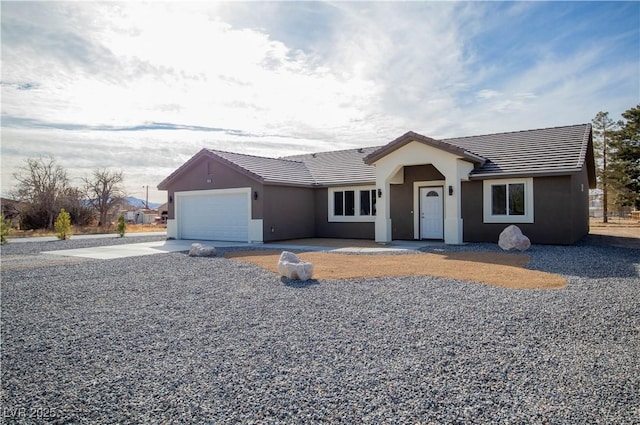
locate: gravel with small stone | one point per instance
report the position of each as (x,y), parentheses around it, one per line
(170,338)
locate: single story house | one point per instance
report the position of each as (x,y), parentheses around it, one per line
(465,189)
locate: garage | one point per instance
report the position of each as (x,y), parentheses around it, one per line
(217,215)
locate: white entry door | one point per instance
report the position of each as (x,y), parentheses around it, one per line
(431,213)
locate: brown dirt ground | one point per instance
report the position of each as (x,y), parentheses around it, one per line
(498,269)
(623,233)
(89,230)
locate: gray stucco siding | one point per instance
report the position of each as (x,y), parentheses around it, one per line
(580,201)
(289,213)
(326,229)
(222,177)
(557,216)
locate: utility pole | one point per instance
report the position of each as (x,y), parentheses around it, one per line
(146,199)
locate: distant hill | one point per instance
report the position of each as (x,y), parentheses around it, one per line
(139,203)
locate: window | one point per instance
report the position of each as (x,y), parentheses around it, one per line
(352,204)
(508,201)
(338,203)
(349,202)
(368,202)
(344,203)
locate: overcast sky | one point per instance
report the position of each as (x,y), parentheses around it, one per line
(141,87)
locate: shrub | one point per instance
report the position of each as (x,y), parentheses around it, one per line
(63,225)
(121,227)
(5,229)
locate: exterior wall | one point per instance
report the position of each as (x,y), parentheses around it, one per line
(222,177)
(402,199)
(326,229)
(454,169)
(289,213)
(580,210)
(560,215)
(560,212)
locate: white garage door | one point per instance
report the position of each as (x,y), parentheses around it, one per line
(213,215)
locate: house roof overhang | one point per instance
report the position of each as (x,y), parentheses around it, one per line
(268,171)
(206,153)
(411,136)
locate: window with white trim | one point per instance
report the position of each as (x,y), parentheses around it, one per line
(352,204)
(508,201)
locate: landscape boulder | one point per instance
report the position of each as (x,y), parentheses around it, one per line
(512,238)
(290,266)
(200,250)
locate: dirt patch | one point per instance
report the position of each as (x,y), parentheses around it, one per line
(332,242)
(618,233)
(498,269)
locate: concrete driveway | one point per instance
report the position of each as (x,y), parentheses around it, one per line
(135,249)
(160,247)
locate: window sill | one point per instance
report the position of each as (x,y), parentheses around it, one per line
(354,219)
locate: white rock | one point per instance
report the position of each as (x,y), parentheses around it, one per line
(290,266)
(512,238)
(200,250)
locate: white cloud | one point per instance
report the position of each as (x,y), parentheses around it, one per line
(487,94)
(180,66)
(296,77)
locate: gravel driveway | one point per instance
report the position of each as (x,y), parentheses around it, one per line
(173,339)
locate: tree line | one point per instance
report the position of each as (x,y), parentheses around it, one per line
(617,154)
(44,187)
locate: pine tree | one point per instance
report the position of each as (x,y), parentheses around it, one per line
(5,229)
(63,225)
(625,159)
(122,225)
(603,129)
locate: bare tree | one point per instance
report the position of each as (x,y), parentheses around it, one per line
(73,201)
(603,130)
(105,191)
(41,183)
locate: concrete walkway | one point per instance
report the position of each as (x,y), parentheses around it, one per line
(160,247)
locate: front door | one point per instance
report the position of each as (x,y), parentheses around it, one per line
(431,213)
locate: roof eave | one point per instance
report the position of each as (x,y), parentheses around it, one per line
(288,183)
(437,144)
(210,154)
(537,173)
(163,184)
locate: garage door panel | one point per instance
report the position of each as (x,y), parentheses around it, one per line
(214,216)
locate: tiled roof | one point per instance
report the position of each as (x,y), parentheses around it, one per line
(269,170)
(339,167)
(544,151)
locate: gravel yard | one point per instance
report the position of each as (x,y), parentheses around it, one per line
(172,339)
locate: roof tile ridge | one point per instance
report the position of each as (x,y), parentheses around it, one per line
(234,164)
(254,156)
(258,176)
(584,146)
(514,132)
(333,151)
(453,145)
